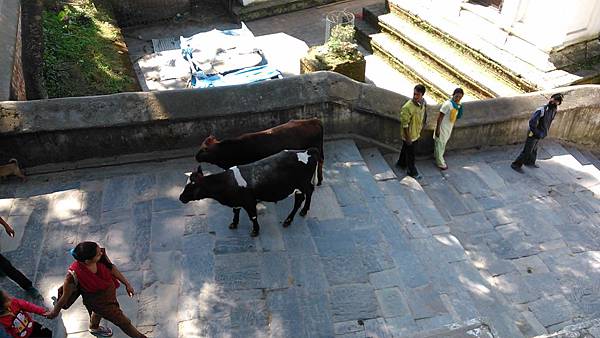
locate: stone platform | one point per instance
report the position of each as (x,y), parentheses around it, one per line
(479,250)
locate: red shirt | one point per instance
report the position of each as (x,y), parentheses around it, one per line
(17,321)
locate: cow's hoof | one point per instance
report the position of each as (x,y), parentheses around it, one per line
(233,226)
(287,223)
(254,233)
(303,212)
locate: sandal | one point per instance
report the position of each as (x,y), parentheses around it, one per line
(101,331)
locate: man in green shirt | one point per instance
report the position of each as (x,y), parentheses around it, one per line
(412,119)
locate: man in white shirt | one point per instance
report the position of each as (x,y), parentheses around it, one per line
(450,111)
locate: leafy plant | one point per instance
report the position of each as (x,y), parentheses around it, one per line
(341,39)
(340,47)
(84,52)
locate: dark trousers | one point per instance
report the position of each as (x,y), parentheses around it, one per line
(407,159)
(529,153)
(9,270)
(104,304)
(40,332)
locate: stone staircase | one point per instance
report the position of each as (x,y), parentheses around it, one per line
(521,234)
(475,251)
(422,53)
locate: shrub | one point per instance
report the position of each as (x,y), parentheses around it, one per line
(340,47)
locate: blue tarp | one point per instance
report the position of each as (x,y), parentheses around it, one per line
(246,75)
(231,57)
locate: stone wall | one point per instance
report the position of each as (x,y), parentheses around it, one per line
(9,21)
(247,10)
(67,129)
(18,92)
(32,38)
(140,12)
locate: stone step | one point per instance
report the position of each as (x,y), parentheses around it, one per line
(377,165)
(410,284)
(451,271)
(473,328)
(592,158)
(518,59)
(476,50)
(419,66)
(553,148)
(585,172)
(363,31)
(588,328)
(372,12)
(472,71)
(519,70)
(582,159)
(380,73)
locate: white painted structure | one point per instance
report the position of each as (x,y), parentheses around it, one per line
(529,29)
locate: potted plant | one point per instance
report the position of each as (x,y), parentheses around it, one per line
(339,54)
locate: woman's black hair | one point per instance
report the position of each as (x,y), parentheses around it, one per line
(84,251)
(458,91)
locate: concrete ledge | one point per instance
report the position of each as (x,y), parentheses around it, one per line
(69,129)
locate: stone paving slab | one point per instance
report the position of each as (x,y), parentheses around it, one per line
(378,167)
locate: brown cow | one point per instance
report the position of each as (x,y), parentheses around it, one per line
(251,147)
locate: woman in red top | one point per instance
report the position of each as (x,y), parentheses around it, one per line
(16,320)
(97,279)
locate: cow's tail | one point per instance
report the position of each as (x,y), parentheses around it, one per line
(315,179)
(314,153)
(322,156)
(321,134)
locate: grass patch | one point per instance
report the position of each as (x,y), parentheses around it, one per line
(84,52)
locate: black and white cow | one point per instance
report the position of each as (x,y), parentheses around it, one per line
(271,179)
(251,147)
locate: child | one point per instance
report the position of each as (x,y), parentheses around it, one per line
(17,322)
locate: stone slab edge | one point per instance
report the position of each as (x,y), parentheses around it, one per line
(583,330)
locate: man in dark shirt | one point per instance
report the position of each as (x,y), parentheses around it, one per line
(539,125)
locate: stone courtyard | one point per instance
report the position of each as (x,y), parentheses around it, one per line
(479,250)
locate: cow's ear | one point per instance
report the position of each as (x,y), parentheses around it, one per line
(195,177)
(211,140)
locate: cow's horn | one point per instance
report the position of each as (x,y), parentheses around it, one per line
(199,170)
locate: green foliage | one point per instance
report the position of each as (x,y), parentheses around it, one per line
(340,47)
(83,52)
(341,39)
